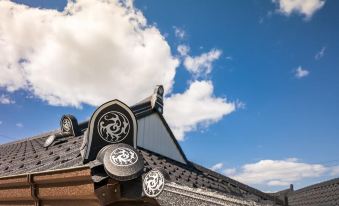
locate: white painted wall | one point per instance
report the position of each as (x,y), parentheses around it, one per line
(153,136)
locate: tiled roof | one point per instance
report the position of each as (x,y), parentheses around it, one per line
(325,193)
(196,176)
(29,156)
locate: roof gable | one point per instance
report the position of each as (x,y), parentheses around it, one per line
(155,135)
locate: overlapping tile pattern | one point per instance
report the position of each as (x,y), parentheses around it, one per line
(196,176)
(326,193)
(29,156)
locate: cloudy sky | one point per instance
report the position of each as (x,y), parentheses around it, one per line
(252,87)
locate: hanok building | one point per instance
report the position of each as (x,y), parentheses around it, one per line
(121,156)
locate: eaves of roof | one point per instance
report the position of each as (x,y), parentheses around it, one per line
(74,184)
(70,186)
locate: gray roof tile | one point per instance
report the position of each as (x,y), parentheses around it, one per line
(30,156)
(325,193)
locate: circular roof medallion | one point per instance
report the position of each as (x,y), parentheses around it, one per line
(123,156)
(121,161)
(154,183)
(66,125)
(113,127)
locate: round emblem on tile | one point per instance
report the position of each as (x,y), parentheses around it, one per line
(66,125)
(153,183)
(113,127)
(123,156)
(121,161)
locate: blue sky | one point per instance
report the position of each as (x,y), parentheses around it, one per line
(273,71)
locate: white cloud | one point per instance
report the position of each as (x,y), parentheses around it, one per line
(183,49)
(301,72)
(91,52)
(196,106)
(229,58)
(240,105)
(320,54)
(217,166)
(277,183)
(278,172)
(94,51)
(179,32)
(202,65)
(6,100)
(303,7)
(335,171)
(19,124)
(230,171)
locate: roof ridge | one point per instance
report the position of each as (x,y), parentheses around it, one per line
(319,184)
(41,135)
(83,124)
(228,179)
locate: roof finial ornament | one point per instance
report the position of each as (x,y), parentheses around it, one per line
(121,161)
(157,98)
(68,127)
(69,124)
(111,123)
